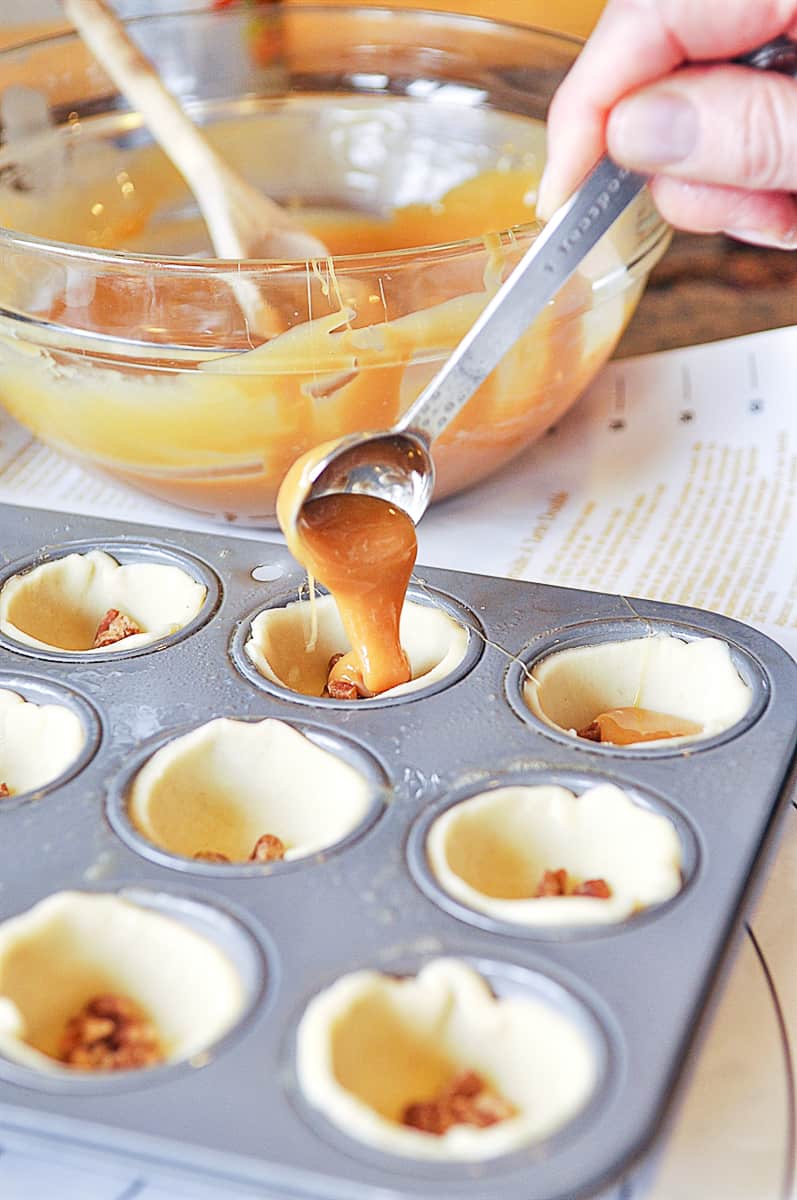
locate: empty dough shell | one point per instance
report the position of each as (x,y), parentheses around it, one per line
(60,604)
(490,853)
(373,1043)
(75,945)
(694,680)
(38,742)
(225,784)
(286,649)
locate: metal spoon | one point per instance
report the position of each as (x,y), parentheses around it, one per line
(396,464)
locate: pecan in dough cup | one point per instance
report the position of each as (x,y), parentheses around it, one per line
(373,1044)
(491,852)
(293,651)
(62,604)
(224,785)
(74,946)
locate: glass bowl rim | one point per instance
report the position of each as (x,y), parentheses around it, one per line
(347,262)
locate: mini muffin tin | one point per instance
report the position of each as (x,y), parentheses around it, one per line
(235,1113)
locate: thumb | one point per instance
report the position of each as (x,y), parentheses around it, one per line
(724,125)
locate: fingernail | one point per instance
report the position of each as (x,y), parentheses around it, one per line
(546,205)
(653,130)
(760,237)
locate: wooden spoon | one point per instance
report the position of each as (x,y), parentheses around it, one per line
(242,222)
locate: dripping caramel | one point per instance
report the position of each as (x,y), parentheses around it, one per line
(362,549)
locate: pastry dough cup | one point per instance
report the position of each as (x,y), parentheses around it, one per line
(220,785)
(666,667)
(51,608)
(491,850)
(48,733)
(442,638)
(372,1043)
(192,968)
(502,835)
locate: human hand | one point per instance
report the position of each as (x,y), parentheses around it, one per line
(719,140)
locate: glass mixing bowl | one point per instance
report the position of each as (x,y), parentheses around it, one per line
(125,342)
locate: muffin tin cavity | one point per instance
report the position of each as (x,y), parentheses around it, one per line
(692,679)
(48,733)
(74,946)
(289,646)
(210,795)
(490,852)
(124,598)
(38,743)
(371,1044)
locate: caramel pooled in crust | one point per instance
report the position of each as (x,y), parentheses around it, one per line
(5,791)
(627,726)
(110,1033)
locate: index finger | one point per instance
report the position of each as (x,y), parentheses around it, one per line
(637,42)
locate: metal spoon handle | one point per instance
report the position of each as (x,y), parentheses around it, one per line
(555,255)
(779,55)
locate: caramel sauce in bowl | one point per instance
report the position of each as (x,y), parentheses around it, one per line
(121,339)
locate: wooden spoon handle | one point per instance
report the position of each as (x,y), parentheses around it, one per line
(238,217)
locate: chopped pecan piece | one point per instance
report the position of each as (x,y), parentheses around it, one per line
(558,883)
(114,627)
(110,1033)
(429,1116)
(268,848)
(591,732)
(488,1109)
(211,856)
(340,689)
(597,888)
(466,1100)
(5,790)
(333,662)
(466,1085)
(553,883)
(482,1110)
